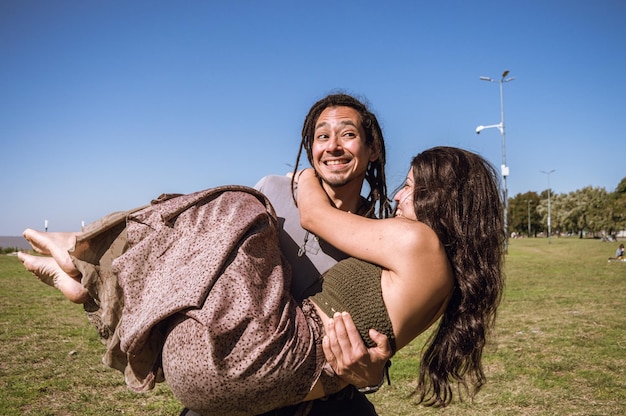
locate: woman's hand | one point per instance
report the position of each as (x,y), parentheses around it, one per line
(307,179)
(312,199)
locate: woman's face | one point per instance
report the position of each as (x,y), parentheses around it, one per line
(404,198)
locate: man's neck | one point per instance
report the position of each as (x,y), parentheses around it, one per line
(347,197)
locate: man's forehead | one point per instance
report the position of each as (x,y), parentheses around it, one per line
(345,115)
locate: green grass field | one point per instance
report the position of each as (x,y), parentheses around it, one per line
(559,346)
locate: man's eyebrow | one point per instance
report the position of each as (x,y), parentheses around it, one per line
(344,122)
(349,122)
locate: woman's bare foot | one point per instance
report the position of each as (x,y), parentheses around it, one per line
(49,272)
(55,245)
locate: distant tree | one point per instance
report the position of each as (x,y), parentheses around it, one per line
(596,209)
(521,207)
(582,210)
(542,211)
(616,210)
(591,210)
(621,187)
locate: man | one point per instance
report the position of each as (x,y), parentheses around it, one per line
(345,145)
(343,141)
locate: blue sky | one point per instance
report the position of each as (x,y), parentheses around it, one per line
(106,104)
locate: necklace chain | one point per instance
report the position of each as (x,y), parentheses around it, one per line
(302,248)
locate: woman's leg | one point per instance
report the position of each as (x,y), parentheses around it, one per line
(48,271)
(55,245)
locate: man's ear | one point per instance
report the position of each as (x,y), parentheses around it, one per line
(375,153)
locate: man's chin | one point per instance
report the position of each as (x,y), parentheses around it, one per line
(336,181)
(338,178)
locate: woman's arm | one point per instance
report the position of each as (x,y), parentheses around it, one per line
(376,241)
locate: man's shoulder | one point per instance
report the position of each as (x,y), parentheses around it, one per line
(273,181)
(278,190)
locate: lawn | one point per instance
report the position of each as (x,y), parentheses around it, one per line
(559,346)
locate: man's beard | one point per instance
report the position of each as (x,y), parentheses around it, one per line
(337,181)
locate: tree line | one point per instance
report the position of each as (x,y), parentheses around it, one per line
(8,250)
(590,211)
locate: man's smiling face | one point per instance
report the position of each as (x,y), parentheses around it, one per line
(340,154)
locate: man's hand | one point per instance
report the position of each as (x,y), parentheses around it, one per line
(348,356)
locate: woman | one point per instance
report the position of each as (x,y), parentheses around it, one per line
(440,257)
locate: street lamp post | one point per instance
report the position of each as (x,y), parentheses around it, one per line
(528,202)
(548,173)
(504,168)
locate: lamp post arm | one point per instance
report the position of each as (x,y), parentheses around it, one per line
(498,126)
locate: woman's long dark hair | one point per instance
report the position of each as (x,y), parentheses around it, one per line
(457,194)
(375,174)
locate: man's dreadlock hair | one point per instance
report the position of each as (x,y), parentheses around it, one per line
(375,173)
